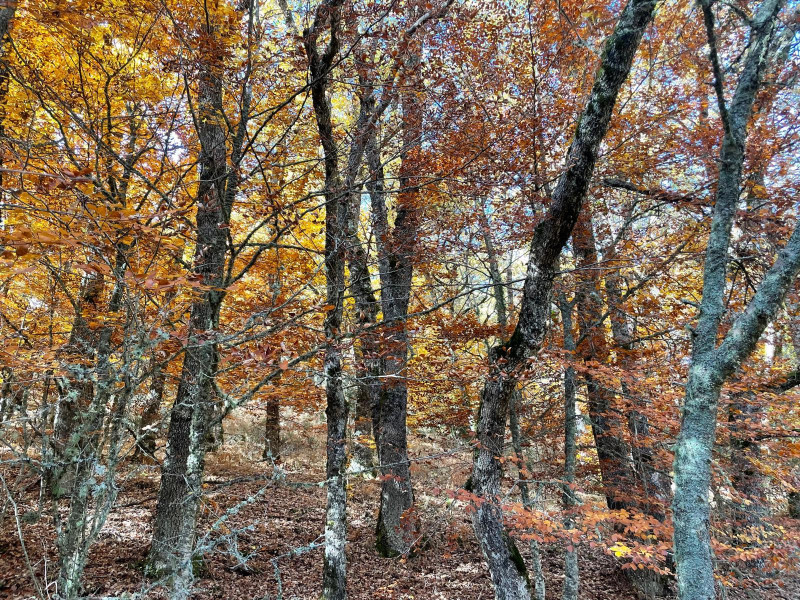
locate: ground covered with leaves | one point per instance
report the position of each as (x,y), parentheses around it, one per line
(263,528)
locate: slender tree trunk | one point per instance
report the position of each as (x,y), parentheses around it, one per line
(527,501)
(711,364)
(90,503)
(150,424)
(744,413)
(655,486)
(550,235)
(76,391)
(569,498)
(793,497)
(334,569)
(514,405)
(7,13)
(368,362)
(651,487)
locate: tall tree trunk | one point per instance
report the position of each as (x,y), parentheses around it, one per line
(655,487)
(744,413)
(194,412)
(569,499)
(516,399)
(7,12)
(550,235)
(150,423)
(395,531)
(539,583)
(711,364)
(793,497)
(368,362)
(90,502)
(75,391)
(334,569)
(651,487)
(612,449)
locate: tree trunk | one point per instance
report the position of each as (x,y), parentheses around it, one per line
(744,413)
(7,13)
(395,530)
(711,364)
(272,430)
(527,501)
(569,499)
(334,569)
(193,412)
(150,424)
(655,487)
(794,505)
(550,235)
(612,449)
(75,391)
(369,365)
(651,488)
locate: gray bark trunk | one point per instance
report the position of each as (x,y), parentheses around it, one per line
(550,235)
(569,499)
(334,569)
(539,583)
(712,364)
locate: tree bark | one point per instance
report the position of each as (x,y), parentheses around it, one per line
(367,352)
(569,499)
(334,569)
(612,449)
(272,430)
(711,364)
(550,235)
(395,530)
(193,412)
(150,424)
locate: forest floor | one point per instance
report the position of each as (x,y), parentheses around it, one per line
(277,529)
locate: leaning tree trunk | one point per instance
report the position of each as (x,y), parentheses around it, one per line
(711,364)
(551,233)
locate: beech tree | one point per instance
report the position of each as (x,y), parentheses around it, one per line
(713,363)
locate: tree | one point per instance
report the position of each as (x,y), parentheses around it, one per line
(711,363)
(550,235)
(193,410)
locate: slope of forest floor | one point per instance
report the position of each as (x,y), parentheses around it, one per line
(277,530)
